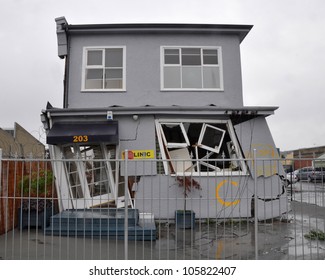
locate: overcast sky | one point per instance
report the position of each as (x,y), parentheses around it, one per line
(283,57)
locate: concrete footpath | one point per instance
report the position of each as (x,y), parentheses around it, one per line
(277,239)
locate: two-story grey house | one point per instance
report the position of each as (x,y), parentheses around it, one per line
(171,96)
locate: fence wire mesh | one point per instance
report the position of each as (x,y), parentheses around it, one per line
(41,220)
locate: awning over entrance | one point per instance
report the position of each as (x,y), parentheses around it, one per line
(83,133)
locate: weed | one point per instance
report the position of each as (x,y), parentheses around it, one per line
(315,235)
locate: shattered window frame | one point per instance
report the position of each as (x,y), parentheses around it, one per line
(206,126)
(86,168)
(198,159)
(168,144)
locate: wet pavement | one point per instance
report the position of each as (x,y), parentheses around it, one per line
(278,239)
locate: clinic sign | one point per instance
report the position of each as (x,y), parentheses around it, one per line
(139,154)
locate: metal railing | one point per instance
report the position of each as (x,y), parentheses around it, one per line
(237,216)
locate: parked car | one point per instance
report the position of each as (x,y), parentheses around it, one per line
(311,174)
(318,175)
(304,174)
(292,178)
(288,179)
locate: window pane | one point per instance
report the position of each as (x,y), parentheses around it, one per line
(172,51)
(172,77)
(113,84)
(191,77)
(94,74)
(173,133)
(113,73)
(113,79)
(94,57)
(171,56)
(211,77)
(94,79)
(191,57)
(113,57)
(191,51)
(210,56)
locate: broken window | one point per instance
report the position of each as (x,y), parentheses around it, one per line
(196,147)
(211,138)
(73,174)
(90,172)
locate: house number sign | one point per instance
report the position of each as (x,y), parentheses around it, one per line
(80,138)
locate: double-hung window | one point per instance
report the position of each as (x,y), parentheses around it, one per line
(191,68)
(104,69)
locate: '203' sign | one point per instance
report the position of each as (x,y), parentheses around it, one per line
(80,139)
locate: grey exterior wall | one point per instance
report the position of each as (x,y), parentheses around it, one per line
(161,196)
(143,71)
(138,135)
(255,135)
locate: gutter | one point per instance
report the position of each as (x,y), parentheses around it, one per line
(154,28)
(145,110)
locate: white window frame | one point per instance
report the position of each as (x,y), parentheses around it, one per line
(211,149)
(219,65)
(85,67)
(175,145)
(189,170)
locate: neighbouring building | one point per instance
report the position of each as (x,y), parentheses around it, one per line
(303,157)
(162,92)
(16,142)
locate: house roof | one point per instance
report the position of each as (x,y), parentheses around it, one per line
(321,157)
(240,30)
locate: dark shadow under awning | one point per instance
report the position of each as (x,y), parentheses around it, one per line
(83,133)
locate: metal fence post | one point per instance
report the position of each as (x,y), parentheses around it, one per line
(126,205)
(0,170)
(255,206)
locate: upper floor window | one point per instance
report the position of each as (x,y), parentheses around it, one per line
(104,69)
(191,68)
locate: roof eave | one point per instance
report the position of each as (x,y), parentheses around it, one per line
(165,110)
(154,28)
